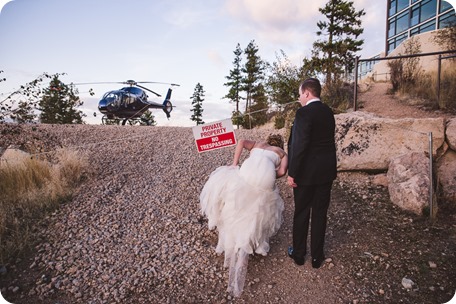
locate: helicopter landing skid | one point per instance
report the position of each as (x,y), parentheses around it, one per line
(117,121)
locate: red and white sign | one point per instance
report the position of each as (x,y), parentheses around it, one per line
(214,135)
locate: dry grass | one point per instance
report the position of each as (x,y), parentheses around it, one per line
(31,187)
(424,90)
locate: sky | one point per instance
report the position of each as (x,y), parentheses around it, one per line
(184,42)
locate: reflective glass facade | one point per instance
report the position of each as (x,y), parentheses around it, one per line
(410,17)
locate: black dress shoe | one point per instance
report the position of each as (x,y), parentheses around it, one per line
(298,260)
(316,263)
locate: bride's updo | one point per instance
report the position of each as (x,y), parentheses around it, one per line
(275,140)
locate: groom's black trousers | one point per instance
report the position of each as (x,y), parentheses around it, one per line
(311,201)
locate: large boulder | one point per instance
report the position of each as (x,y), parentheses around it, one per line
(409,182)
(446,172)
(451,133)
(368,142)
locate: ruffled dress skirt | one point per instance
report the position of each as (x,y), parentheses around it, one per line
(245,206)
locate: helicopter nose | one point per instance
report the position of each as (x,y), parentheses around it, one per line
(103,106)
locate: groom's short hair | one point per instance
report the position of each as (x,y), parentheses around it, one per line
(312,85)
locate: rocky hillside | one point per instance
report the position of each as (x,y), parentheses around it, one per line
(133,232)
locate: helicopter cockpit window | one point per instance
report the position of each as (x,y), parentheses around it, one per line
(136,91)
(128,99)
(112,98)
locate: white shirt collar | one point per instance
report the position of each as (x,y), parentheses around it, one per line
(312,100)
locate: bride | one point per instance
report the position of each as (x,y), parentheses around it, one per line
(244,204)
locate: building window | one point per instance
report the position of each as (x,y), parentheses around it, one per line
(402,22)
(396,6)
(398,24)
(415,17)
(391,29)
(400,39)
(422,12)
(392,8)
(444,5)
(428,10)
(430,26)
(448,19)
(401,4)
(394,43)
(410,17)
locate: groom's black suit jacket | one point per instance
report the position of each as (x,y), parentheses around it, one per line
(311,146)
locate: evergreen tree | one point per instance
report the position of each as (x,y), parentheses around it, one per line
(235,85)
(253,72)
(335,54)
(235,79)
(258,109)
(197,102)
(148,119)
(58,104)
(24,113)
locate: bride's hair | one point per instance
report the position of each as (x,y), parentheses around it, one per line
(275,140)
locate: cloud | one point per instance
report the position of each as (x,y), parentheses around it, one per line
(185,18)
(216,58)
(289,25)
(272,14)
(292,24)
(184,15)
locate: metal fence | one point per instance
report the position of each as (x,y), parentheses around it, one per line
(358,61)
(429,135)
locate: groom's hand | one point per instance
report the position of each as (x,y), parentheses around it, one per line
(291,182)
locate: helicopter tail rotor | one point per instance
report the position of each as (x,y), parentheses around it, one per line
(167,106)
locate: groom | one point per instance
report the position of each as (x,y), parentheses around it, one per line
(311,171)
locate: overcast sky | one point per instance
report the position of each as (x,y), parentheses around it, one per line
(178,41)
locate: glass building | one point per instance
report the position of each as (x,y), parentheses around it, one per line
(406,18)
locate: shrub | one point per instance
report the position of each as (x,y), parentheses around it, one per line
(338,95)
(405,72)
(424,90)
(30,188)
(279,121)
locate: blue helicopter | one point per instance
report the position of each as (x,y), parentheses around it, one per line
(128,104)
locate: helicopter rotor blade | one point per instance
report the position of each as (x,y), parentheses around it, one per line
(140,86)
(171,84)
(87,83)
(129,82)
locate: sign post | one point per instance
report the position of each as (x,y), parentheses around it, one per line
(214,135)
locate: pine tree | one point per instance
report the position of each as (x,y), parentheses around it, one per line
(23,113)
(58,104)
(253,72)
(148,119)
(335,55)
(197,102)
(258,109)
(235,79)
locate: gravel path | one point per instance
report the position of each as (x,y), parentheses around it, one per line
(133,233)
(375,99)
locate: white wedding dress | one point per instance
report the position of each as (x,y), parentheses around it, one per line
(245,206)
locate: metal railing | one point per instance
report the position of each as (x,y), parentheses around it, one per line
(357,61)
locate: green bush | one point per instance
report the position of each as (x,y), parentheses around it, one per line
(338,95)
